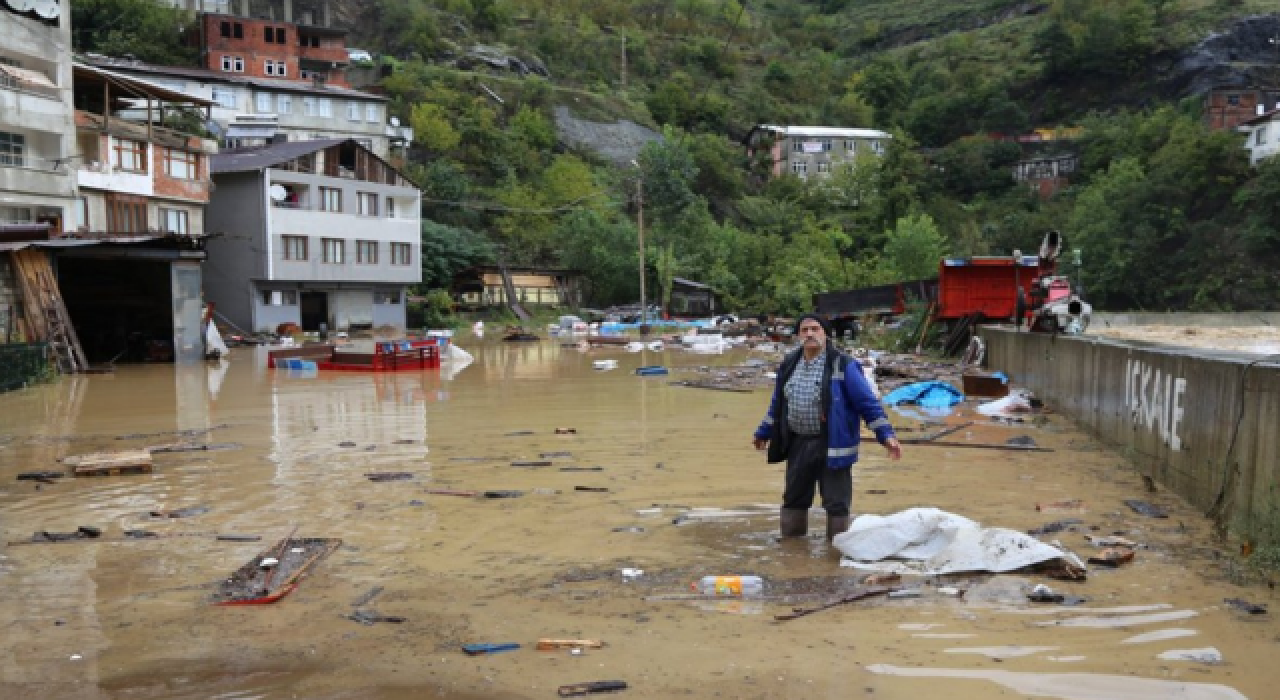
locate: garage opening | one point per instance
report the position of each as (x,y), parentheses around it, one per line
(122,309)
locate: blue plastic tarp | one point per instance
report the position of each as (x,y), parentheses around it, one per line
(926,394)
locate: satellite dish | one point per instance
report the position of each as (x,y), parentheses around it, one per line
(45,9)
(278,193)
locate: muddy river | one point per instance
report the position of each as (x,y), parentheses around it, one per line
(130,618)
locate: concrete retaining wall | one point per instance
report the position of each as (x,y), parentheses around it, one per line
(1204,424)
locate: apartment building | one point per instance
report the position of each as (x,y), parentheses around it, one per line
(37,132)
(809,151)
(318,232)
(250,111)
(1262,136)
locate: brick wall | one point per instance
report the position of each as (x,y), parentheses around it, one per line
(165,186)
(248,45)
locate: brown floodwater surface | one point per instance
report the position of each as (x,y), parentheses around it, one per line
(123,618)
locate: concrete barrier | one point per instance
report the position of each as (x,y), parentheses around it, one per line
(1204,424)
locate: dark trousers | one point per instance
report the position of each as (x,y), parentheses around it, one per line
(807,467)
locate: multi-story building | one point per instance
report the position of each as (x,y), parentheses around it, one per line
(319,232)
(807,151)
(251,111)
(271,48)
(1227,107)
(37,133)
(1261,135)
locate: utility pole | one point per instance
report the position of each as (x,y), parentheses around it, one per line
(624,61)
(644,307)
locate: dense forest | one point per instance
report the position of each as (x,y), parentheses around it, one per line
(1166,213)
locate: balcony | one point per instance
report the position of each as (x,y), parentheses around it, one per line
(28,81)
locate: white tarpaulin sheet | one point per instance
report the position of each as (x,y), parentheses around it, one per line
(929,542)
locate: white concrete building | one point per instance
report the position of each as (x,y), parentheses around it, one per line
(252,111)
(37,127)
(813,151)
(1262,135)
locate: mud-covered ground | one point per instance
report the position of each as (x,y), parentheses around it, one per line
(117,617)
(1257,340)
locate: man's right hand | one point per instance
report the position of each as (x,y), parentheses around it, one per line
(760,443)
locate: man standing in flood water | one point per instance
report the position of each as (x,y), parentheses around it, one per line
(812,423)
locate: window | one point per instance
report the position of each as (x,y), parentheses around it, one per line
(367,252)
(80,213)
(330,199)
(797,146)
(233,64)
(284,104)
(1262,134)
(799,167)
(824,167)
(391,208)
(1233,100)
(175,221)
(367,204)
(269,35)
(851,146)
(353,111)
(391,296)
(126,214)
(279,297)
(400,254)
(280,35)
(326,107)
(332,249)
(13,149)
(295,247)
(129,155)
(226,30)
(225,97)
(237,30)
(309,106)
(276,68)
(371,113)
(181,164)
(826,144)
(264,102)
(877,147)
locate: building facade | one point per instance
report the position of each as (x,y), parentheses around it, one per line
(317,232)
(1261,136)
(37,131)
(250,111)
(812,151)
(1226,108)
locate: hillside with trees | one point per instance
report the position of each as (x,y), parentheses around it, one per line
(1167,214)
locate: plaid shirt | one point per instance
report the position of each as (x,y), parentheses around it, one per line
(804,396)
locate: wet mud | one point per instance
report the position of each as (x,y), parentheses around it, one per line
(117,617)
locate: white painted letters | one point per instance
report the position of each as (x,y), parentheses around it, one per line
(1155,400)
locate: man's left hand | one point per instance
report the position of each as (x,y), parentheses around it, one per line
(894,448)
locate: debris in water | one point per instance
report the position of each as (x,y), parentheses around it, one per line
(478,649)
(580,689)
(1021,441)
(379,477)
(557,644)
(346,443)
(553,455)
(581,469)
(518,433)
(367,597)
(453,492)
(234,538)
(1246,606)
(1207,655)
(565,431)
(1043,594)
(1055,526)
(532,463)
(110,463)
(880,579)
(853,597)
(370,617)
(592,489)
(181,512)
(43,477)
(1099,541)
(254,584)
(1144,508)
(633,528)
(1074,505)
(877,492)
(193,447)
(503,494)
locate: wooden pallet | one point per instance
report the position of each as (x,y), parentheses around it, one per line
(110,463)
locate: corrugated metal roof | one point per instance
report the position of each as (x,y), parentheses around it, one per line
(303,86)
(84,71)
(826,131)
(267,156)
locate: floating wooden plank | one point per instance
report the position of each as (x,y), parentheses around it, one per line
(110,463)
(251,584)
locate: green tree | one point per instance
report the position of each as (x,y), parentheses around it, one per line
(604,251)
(668,172)
(432,129)
(914,247)
(147,30)
(447,250)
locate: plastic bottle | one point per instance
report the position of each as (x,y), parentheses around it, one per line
(729,585)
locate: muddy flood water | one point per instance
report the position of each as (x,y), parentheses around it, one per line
(117,617)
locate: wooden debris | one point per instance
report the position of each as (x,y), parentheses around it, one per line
(1074,505)
(192,447)
(553,644)
(110,463)
(853,597)
(251,584)
(979,446)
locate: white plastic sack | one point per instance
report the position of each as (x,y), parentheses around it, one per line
(1017,402)
(930,542)
(457,354)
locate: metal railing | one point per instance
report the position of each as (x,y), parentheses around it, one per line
(13,160)
(12,83)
